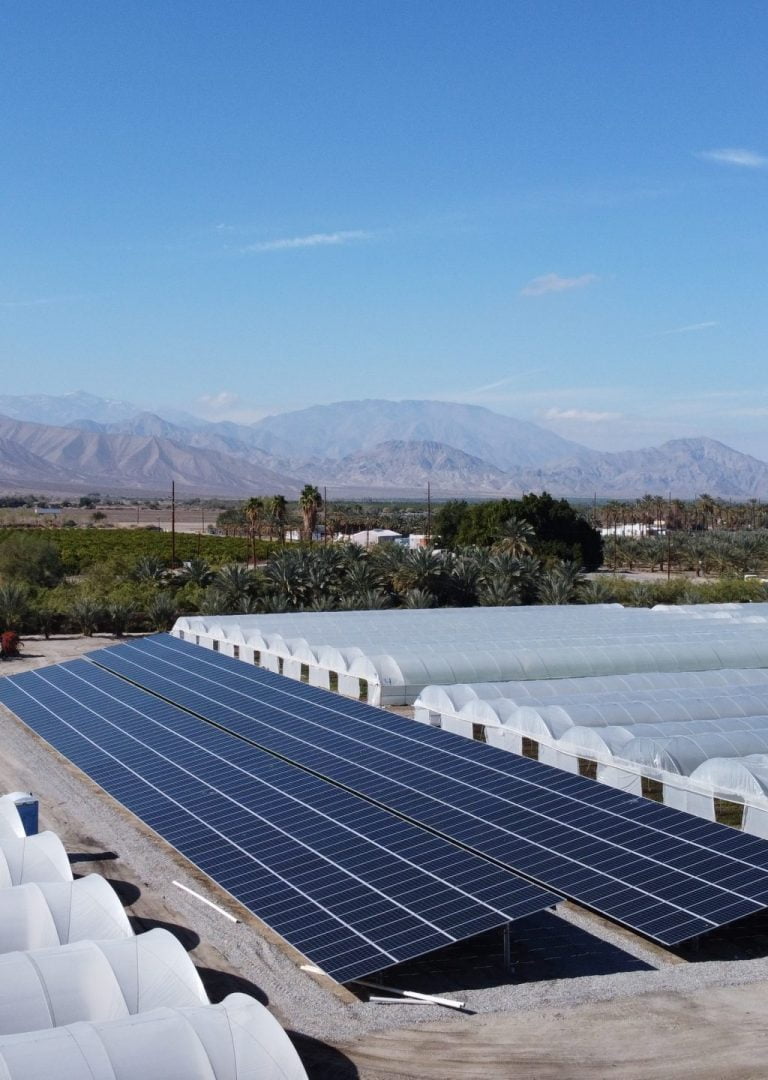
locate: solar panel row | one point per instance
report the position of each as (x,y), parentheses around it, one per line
(349,885)
(661,872)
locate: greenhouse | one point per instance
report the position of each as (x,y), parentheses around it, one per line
(683,754)
(95,980)
(236,1040)
(393,655)
(10,820)
(43,914)
(742,778)
(33,858)
(436,703)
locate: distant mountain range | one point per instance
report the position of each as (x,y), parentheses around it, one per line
(79,442)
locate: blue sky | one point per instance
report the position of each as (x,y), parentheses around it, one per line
(555,209)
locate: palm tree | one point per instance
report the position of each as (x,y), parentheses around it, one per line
(499,591)
(516,537)
(277,511)
(197,572)
(85,613)
(420,569)
(598,591)
(254,514)
(119,616)
(560,585)
(14,604)
(162,611)
(287,573)
(310,502)
(367,600)
(231,586)
(419,598)
(708,507)
(149,569)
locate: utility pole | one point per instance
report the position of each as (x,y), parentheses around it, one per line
(429,515)
(325,515)
(173,524)
(669,538)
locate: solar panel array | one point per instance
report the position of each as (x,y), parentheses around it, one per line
(664,873)
(348,884)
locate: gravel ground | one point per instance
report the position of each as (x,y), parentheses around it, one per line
(564,959)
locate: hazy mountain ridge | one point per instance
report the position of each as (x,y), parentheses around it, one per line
(340,445)
(59,457)
(684,467)
(414,463)
(335,431)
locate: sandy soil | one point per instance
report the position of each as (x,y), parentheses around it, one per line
(717,1034)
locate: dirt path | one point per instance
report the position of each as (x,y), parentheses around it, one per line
(717,1034)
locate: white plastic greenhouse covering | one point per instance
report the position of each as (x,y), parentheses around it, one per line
(10,819)
(236,1040)
(755,613)
(398,653)
(682,754)
(741,778)
(490,699)
(95,980)
(33,858)
(49,913)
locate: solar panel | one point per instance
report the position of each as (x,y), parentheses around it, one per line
(664,873)
(348,884)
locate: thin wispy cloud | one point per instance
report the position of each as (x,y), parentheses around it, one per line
(746,159)
(555,283)
(584,416)
(501,382)
(226,405)
(41,301)
(312,240)
(691,328)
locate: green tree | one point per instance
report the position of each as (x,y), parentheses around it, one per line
(447,521)
(32,559)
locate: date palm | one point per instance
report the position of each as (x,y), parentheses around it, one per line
(310,502)
(254,515)
(560,584)
(516,537)
(276,508)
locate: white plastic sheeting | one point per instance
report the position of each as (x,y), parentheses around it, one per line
(749,613)
(684,753)
(33,858)
(742,779)
(449,699)
(604,743)
(91,980)
(44,914)
(236,1040)
(398,653)
(10,821)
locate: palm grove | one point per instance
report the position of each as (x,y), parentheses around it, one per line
(505,552)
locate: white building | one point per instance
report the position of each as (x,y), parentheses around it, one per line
(370,537)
